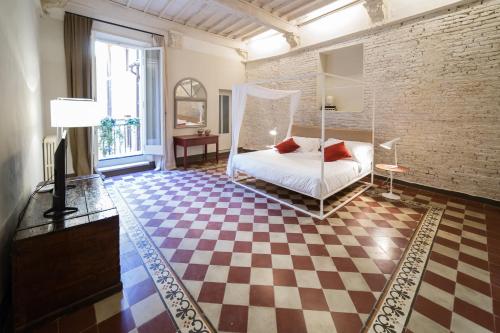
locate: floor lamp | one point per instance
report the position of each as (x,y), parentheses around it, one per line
(391,145)
(76,112)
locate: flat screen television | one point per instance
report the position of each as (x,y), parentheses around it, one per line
(59,208)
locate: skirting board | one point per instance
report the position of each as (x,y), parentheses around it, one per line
(460,195)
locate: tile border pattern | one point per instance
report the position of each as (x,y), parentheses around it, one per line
(395,305)
(183,309)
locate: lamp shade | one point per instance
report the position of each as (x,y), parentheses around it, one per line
(389,144)
(73,112)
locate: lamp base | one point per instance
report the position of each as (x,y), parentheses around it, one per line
(390,195)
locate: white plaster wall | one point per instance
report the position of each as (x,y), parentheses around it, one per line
(215,73)
(53,72)
(21,124)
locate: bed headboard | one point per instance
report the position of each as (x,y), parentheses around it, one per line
(337,133)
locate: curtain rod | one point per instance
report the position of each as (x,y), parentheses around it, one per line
(118,25)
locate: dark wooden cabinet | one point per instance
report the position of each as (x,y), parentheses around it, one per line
(60,265)
(196,140)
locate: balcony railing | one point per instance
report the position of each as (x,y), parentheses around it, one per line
(119,138)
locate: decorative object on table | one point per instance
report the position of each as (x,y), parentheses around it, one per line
(207,131)
(274,133)
(391,169)
(391,145)
(330,105)
(200,131)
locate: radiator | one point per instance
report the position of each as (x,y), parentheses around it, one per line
(49,147)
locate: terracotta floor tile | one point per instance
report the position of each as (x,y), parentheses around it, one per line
(161,323)
(77,321)
(212,292)
(261,260)
(233,318)
(474,314)
(376,282)
(262,296)
(313,299)
(302,262)
(347,322)
(433,311)
(363,301)
(139,291)
(284,277)
(474,283)
(439,282)
(121,322)
(290,321)
(239,275)
(330,280)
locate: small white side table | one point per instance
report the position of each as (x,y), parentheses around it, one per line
(392,169)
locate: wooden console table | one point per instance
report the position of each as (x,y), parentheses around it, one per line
(58,265)
(196,140)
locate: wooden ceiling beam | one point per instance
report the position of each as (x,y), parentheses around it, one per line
(302,10)
(148,4)
(260,15)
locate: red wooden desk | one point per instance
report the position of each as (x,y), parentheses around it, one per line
(196,140)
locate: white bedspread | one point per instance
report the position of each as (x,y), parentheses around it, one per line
(300,172)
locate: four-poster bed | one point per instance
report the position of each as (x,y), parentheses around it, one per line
(306,173)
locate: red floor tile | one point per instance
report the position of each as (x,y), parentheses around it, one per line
(433,311)
(161,323)
(212,292)
(77,321)
(290,321)
(233,318)
(121,322)
(347,322)
(474,314)
(261,295)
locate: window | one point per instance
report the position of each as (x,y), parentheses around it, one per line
(224,111)
(129,82)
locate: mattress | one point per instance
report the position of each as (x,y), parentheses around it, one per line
(300,172)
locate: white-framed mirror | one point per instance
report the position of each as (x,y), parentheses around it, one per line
(190,104)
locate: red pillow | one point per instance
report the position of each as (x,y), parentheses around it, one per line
(336,152)
(287,146)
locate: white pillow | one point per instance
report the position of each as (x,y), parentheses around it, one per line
(306,144)
(361,151)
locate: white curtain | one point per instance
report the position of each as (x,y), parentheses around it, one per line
(239,96)
(166,161)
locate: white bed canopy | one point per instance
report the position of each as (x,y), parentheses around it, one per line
(240,93)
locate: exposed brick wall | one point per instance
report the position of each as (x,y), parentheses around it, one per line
(437,85)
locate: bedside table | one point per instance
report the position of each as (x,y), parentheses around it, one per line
(392,169)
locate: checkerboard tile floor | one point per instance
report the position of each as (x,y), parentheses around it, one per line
(457,291)
(243,257)
(271,275)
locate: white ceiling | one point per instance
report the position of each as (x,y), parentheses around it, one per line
(232,19)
